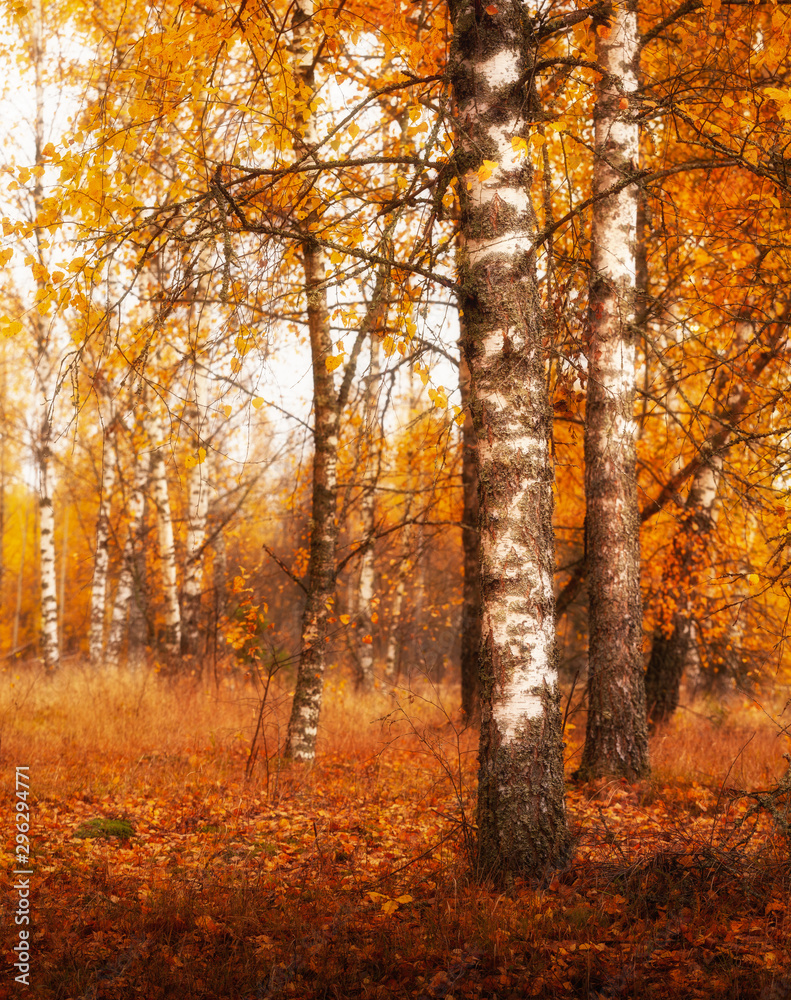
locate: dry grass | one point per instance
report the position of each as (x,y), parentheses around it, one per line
(350,878)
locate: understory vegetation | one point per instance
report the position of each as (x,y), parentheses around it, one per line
(249,876)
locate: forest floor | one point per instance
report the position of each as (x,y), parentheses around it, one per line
(351,878)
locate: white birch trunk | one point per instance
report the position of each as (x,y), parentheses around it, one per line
(167,543)
(20,580)
(616,740)
(126,582)
(392,663)
(197,511)
(49,602)
(521,809)
(306,706)
(372,437)
(50,647)
(101,557)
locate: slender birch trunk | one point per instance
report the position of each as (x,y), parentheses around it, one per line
(392,658)
(198,507)
(616,739)
(327,409)
(20,581)
(125,588)
(167,544)
(306,707)
(675,652)
(101,559)
(674,649)
(50,646)
(471,550)
(365,593)
(521,808)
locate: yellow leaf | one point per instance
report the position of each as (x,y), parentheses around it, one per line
(258,402)
(337,257)
(389,907)
(202,455)
(13,328)
(754,580)
(227,410)
(389,345)
(243,344)
(236,365)
(48,150)
(334,362)
(423,373)
(486,170)
(354,130)
(345,619)
(404,899)
(6,255)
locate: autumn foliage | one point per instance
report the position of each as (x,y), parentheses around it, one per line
(250,251)
(352,878)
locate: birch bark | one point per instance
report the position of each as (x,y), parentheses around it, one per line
(101,559)
(167,543)
(126,582)
(197,511)
(521,808)
(43,366)
(674,648)
(365,592)
(616,740)
(46,526)
(471,550)
(306,707)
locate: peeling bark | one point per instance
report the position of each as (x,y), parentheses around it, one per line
(521,809)
(616,739)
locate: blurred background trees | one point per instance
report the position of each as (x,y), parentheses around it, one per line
(155,310)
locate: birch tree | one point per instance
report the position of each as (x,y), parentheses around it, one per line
(101,551)
(197,509)
(167,543)
(521,808)
(125,588)
(365,593)
(675,643)
(320,596)
(616,740)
